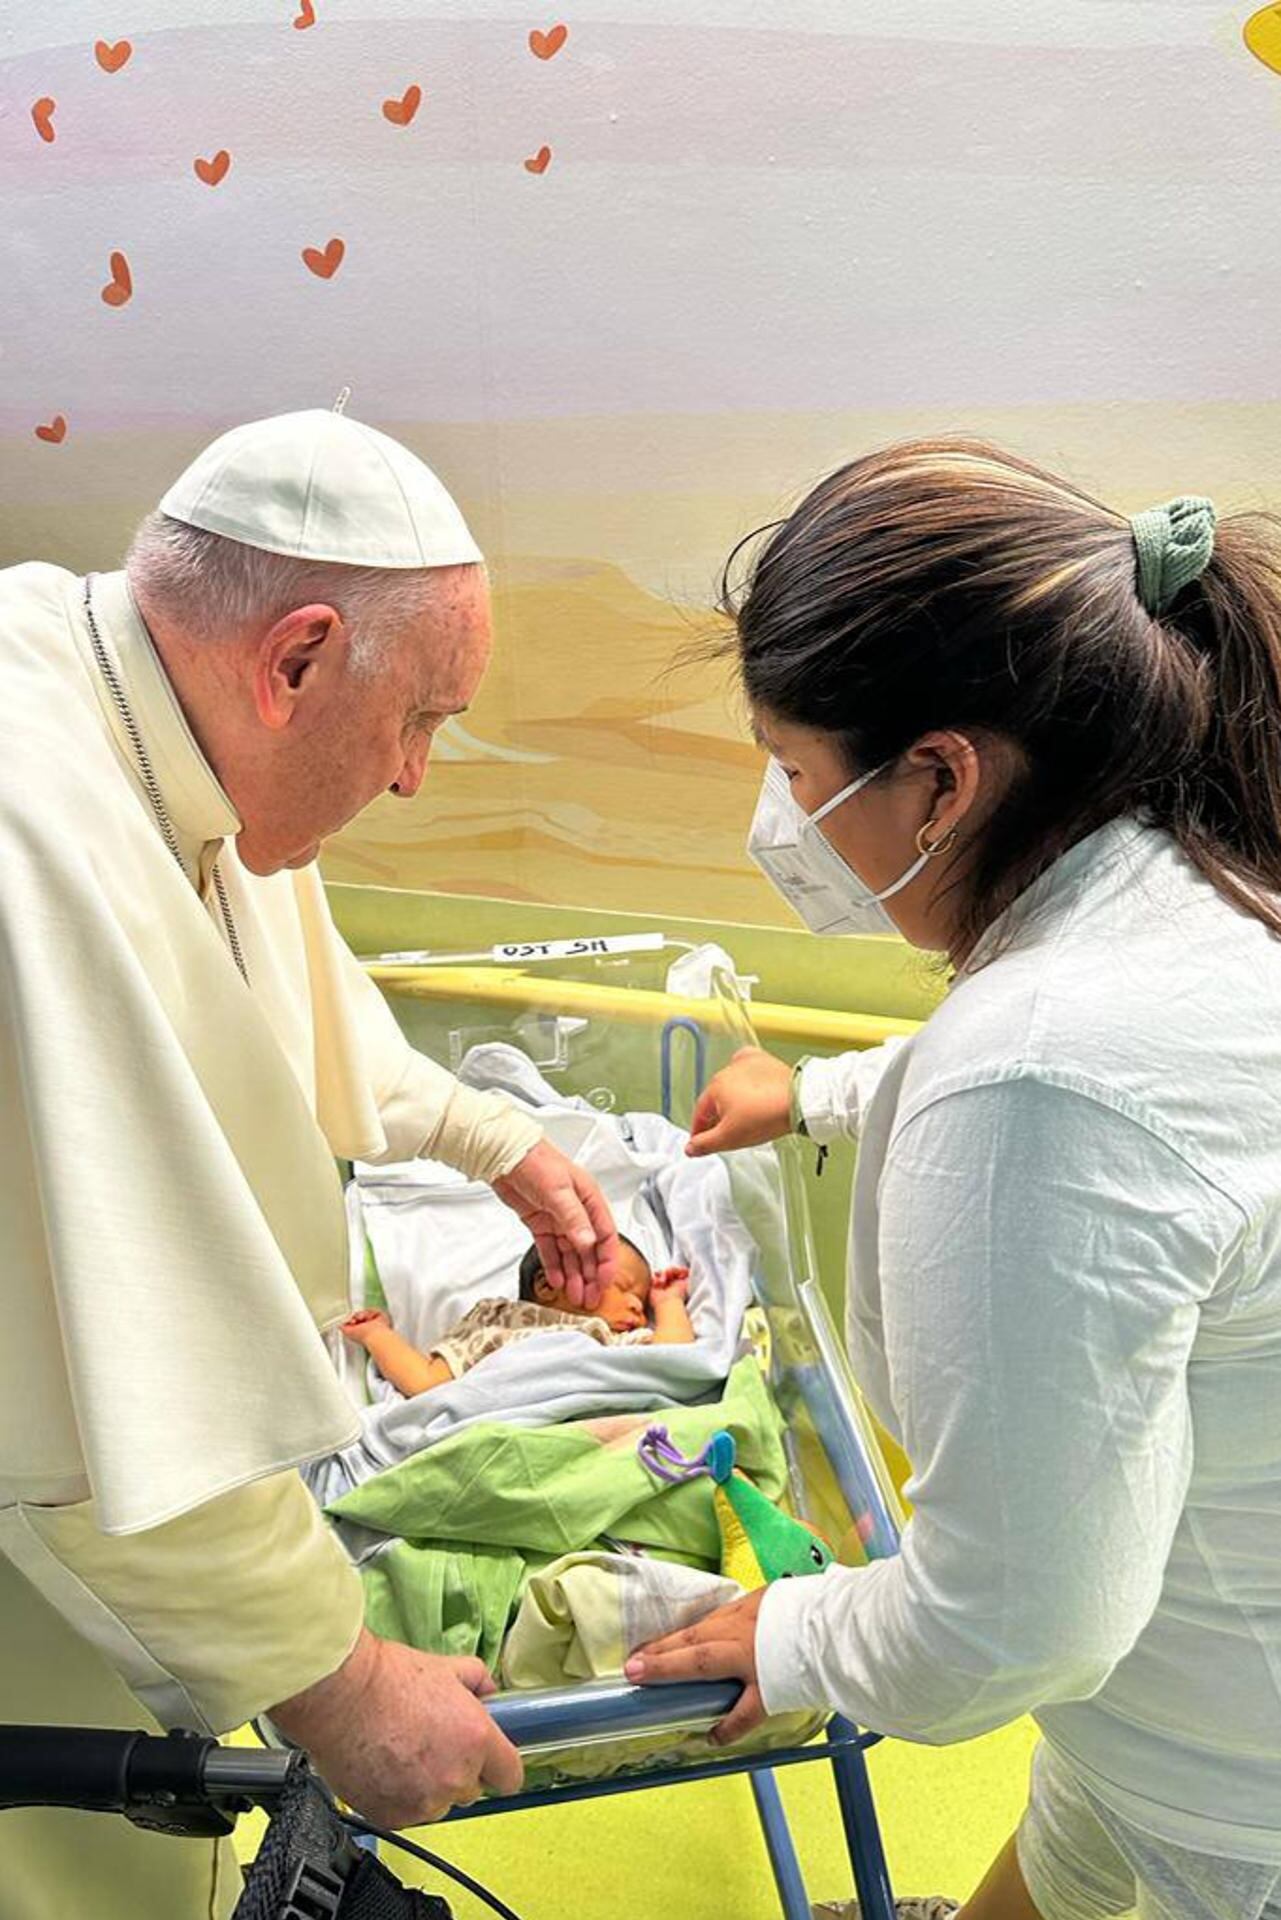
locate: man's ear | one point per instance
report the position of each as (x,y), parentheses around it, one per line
(300,651)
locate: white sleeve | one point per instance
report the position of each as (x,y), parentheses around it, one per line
(1043,1262)
(425,1112)
(210,1618)
(834,1093)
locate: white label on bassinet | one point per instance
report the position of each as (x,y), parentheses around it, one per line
(578,949)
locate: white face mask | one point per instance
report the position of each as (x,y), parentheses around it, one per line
(792,851)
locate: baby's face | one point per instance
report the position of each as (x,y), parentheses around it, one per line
(623,1306)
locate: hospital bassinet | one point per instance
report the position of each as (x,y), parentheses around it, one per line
(596,1017)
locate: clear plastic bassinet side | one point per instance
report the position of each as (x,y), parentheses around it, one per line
(840,1481)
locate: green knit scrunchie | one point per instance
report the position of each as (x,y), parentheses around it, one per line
(1173,544)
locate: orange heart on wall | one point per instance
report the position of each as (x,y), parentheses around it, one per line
(306,17)
(324,262)
(112,57)
(212,171)
(545,46)
(42,114)
(118,291)
(56,431)
(401,112)
(540,161)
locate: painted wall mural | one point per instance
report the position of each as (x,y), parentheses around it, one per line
(630,278)
(1263,36)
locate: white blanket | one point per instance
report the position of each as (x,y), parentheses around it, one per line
(581,1617)
(441,1243)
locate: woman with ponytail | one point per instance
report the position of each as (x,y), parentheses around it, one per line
(1044,740)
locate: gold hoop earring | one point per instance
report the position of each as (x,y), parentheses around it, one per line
(929,848)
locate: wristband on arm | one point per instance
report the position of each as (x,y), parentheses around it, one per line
(797,1116)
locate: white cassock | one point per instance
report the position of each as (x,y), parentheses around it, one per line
(173,1239)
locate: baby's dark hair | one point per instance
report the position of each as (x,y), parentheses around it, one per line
(531,1267)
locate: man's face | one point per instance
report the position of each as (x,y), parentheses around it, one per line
(353,734)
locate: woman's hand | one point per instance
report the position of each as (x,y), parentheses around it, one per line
(721,1647)
(747,1102)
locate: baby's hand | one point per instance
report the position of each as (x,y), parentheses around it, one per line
(673,1281)
(362,1323)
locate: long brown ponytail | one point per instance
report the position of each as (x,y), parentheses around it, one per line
(1225,809)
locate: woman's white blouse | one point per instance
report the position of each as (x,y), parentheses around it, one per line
(1065,1301)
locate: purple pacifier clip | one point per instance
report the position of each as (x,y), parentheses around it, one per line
(667,1462)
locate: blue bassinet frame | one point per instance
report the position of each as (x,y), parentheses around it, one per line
(613,1709)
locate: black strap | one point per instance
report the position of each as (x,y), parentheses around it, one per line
(373,1893)
(310,1868)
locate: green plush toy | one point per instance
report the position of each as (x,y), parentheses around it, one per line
(759,1542)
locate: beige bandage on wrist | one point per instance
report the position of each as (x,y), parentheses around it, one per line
(482,1134)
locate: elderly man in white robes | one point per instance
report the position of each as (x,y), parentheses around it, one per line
(185,1047)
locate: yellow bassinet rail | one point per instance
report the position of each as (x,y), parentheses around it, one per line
(513,986)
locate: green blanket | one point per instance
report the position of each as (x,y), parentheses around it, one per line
(477,1513)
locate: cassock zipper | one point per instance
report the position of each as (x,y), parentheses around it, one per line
(150,785)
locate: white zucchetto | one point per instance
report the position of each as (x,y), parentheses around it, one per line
(319,486)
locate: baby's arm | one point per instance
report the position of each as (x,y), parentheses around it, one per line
(672,1324)
(409,1371)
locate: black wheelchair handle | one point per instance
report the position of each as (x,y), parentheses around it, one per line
(181,1781)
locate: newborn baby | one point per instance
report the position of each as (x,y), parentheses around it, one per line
(639,1308)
